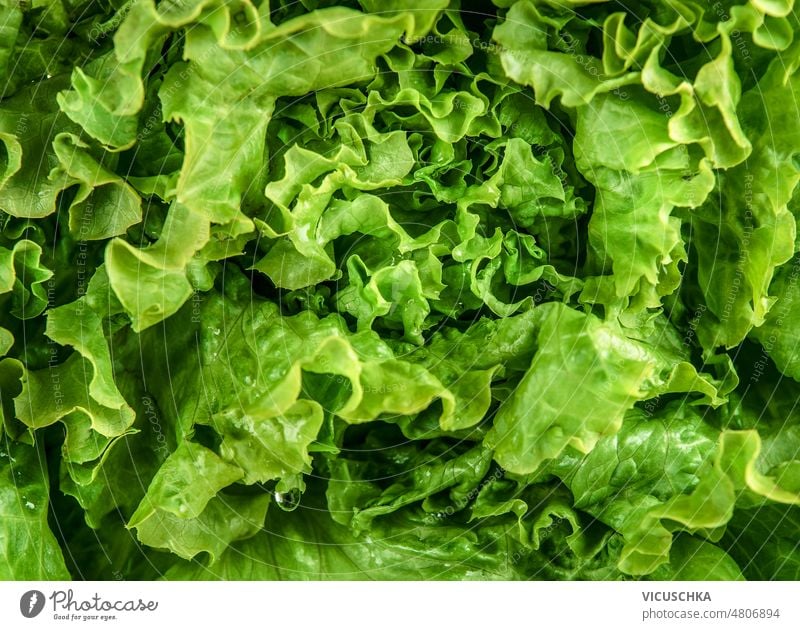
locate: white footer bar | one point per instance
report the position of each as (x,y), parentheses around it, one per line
(401,605)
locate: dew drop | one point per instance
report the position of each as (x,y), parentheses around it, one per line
(289,500)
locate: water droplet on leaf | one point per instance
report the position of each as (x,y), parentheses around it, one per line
(289,500)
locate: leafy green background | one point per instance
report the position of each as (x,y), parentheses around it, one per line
(399,290)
